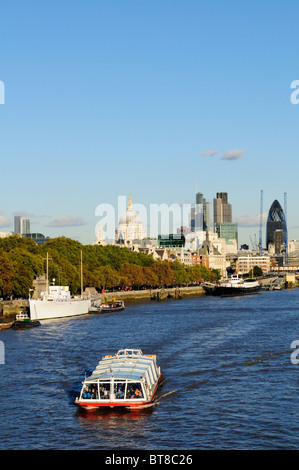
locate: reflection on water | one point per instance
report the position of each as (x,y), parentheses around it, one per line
(118,427)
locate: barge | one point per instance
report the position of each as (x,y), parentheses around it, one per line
(233,286)
(127,379)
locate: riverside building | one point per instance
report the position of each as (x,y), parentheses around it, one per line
(244,264)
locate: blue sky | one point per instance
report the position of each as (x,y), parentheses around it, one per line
(103,98)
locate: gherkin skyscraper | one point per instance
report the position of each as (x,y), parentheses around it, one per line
(276,221)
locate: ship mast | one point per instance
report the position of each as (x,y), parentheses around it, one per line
(81,277)
(47,274)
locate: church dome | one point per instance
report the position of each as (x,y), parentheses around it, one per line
(130,216)
(130,225)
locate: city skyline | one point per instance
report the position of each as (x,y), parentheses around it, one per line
(176,214)
(156,99)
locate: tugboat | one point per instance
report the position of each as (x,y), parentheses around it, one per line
(232,286)
(127,379)
(23,321)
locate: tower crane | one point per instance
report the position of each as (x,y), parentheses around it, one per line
(286,247)
(261,222)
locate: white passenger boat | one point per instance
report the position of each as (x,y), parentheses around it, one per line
(128,379)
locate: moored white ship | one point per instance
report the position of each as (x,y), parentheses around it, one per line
(127,379)
(56,304)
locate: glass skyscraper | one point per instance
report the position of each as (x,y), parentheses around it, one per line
(275,221)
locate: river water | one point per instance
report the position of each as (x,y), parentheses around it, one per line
(228,378)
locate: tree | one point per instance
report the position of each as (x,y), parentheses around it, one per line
(180,273)
(106,277)
(6,275)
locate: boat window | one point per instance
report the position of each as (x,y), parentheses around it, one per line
(104,391)
(134,390)
(119,389)
(90,392)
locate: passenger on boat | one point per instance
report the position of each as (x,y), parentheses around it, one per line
(104,393)
(120,393)
(90,392)
(134,391)
(86,393)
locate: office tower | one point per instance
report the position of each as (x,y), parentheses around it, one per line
(21,225)
(200,211)
(223,225)
(275,221)
(222,209)
(227,230)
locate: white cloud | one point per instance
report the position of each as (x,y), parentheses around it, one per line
(210,153)
(4,222)
(66,221)
(233,154)
(24,214)
(250,221)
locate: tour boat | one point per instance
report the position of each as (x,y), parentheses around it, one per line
(232,286)
(127,379)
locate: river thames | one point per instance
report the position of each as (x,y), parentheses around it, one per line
(228,378)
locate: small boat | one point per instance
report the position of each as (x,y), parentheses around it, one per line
(5,326)
(127,379)
(233,286)
(95,306)
(23,321)
(115,306)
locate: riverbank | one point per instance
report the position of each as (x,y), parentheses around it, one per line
(9,309)
(154,294)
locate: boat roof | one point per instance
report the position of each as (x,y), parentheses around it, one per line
(126,364)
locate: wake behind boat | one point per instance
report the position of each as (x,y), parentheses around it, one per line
(127,379)
(233,286)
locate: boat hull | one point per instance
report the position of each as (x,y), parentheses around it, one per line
(45,309)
